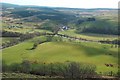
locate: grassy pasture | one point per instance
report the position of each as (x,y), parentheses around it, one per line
(51,52)
(89,36)
(25,30)
(7,39)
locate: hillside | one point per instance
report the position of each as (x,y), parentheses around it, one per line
(99,27)
(62,52)
(59,42)
(66,17)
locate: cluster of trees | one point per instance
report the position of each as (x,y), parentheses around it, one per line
(80,21)
(97,26)
(91,19)
(66,70)
(98,30)
(10,43)
(114,42)
(10,34)
(51,26)
(37,43)
(27,36)
(48,39)
(22,37)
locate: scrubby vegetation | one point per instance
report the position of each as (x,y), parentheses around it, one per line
(66,70)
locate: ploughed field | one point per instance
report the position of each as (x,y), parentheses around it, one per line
(98,54)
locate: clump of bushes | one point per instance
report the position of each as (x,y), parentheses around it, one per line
(66,70)
(48,39)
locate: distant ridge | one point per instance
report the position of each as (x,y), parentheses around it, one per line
(16,5)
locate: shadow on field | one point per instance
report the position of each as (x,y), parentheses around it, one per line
(91,51)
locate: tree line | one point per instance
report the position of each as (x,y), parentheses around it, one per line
(23,37)
(9,34)
(63,70)
(115,42)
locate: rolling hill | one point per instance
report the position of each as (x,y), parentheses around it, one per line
(44,40)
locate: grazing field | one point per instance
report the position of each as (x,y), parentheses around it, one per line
(89,36)
(26,30)
(8,39)
(50,52)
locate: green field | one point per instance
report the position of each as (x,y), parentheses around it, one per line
(26,30)
(8,39)
(78,37)
(50,52)
(89,36)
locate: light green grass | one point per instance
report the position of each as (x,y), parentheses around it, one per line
(88,36)
(8,39)
(51,52)
(25,30)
